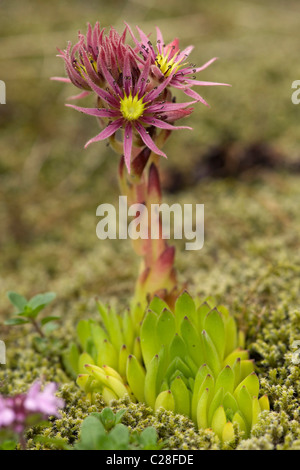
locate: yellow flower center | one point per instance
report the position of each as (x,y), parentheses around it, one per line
(132,107)
(82,69)
(167,66)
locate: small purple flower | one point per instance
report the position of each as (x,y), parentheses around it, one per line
(7,415)
(44,402)
(15,411)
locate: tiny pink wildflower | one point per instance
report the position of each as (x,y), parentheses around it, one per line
(44,402)
(15,411)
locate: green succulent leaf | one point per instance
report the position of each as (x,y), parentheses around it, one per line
(214,326)
(181,396)
(216,402)
(84,359)
(83,332)
(202,406)
(185,306)
(245,405)
(193,341)
(70,359)
(136,377)
(151,381)
(225,380)
(231,342)
(219,421)
(202,312)
(157,305)
(177,348)
(210,354)
(149,344)
(165,327)
(107,354)
(165,400)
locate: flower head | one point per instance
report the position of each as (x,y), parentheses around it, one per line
(168,60)
(132,86)
(91,54)
(135,109)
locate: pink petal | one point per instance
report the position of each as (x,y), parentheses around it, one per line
(153,94)
(99,112)
(127,76)
(162,124)
(200,83)
(61,79)
(104,95)
(127,145)
(132,35)
(172,116)
(78,97)
(110,78)
(89,68)
(185,53)
(164,107)
(107,132)
(160,40)
(193,94)
(204,66)
(147,140)
(142,81)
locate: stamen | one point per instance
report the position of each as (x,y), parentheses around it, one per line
(132,107)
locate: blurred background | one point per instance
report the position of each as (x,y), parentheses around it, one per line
(242,161)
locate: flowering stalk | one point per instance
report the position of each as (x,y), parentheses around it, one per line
(157,273)
(137,111)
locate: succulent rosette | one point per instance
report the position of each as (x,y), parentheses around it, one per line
(190,361)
